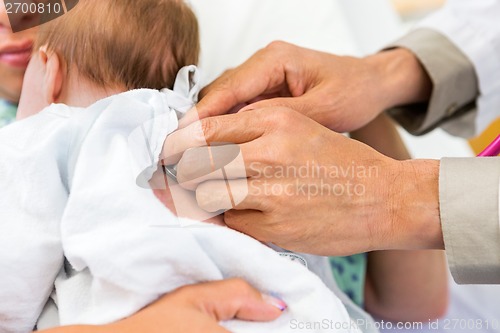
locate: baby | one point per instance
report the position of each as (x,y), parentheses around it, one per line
(76,227)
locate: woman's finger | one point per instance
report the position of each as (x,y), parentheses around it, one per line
(235,298)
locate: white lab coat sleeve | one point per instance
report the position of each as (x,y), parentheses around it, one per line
(32,200)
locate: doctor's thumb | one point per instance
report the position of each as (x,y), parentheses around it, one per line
(216,103)
(300,104)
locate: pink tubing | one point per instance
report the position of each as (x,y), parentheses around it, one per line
(493,149)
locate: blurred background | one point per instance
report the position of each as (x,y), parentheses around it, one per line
(233,30)
(411,10)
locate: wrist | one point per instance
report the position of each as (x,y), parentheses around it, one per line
(413,204)
(401,78)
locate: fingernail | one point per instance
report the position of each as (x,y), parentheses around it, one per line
(274,301)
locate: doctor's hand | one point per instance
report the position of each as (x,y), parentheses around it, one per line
(341,93)
(309,189)
(193,309)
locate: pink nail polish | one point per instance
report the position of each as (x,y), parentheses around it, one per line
(274,301)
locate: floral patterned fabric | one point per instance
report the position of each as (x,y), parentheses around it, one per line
(350,273)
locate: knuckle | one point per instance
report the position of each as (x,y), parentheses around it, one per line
(203,199)
(212,196)
(270,156)
(274,51)
(282,117)
(207,130)
(277,46)
(227,73)
(187,292)
(241,285)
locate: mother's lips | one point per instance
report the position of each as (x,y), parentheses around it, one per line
(16,55)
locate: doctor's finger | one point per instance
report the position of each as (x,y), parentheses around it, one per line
(262,74)
(226,162)
(302,104)
(234,128)
(239,194)
(235,298)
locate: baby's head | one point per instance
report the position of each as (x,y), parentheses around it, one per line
(108,46)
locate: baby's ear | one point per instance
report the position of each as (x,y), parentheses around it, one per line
(53,75)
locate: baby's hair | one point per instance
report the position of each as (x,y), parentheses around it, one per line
(136,43)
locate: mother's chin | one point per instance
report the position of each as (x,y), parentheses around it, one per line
(14,59)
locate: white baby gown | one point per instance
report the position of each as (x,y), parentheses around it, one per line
(73,216)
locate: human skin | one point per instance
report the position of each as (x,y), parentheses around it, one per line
(196,308)
(15,51)
(341,93)
(399,208)
(389,273)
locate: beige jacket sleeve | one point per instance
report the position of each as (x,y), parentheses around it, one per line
(469,188)
(469,205)
(455,87)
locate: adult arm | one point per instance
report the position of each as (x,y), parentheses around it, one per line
(402,285)
(351,199)
(346,100)
(451,71)
(405,205)
(459,49)
(196,308)
(342,93)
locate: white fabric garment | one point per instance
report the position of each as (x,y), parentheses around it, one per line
(68,189)
(473,26)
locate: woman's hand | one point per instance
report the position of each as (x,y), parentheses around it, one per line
(341,93)
(197,308)
(310,189)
